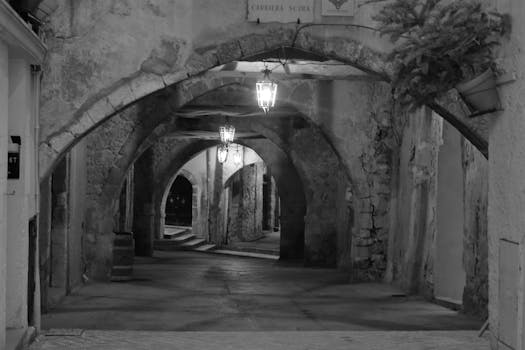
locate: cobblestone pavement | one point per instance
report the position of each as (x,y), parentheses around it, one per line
(131,340)
(189,291)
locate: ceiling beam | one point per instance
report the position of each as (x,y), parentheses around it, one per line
(233,111)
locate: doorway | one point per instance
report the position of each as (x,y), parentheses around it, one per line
(179,202)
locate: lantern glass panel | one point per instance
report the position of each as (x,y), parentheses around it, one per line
(222,154)
(266,94)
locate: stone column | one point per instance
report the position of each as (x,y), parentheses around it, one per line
(59,226)
(144,212)
(215,223)
(44,240)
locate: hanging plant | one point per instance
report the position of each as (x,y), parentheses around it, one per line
(438,45)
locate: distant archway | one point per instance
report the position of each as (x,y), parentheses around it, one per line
(178,207)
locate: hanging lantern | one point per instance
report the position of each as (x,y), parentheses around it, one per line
(227,134)
(222,153)
(266,92)
(237,157)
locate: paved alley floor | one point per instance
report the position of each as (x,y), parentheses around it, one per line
(269,244)
(127,340)
(192,300)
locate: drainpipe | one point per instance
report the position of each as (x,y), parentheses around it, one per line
(36,75)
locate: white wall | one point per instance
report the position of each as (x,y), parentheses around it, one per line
(449,272)
(4,67)
(77,205)
(19,193)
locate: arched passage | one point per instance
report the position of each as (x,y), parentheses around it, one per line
(191,194)
(304,43)
(293,201)
(294,144)
(178,207)
(320,155)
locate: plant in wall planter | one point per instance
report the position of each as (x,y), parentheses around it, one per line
(442,45)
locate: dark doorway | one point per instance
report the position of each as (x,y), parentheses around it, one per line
(31,285)
(179,202)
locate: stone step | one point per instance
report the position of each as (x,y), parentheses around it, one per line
(244,254)
(193,243)
(205,248)
(184,238)
(255,250)
(170,233)
(166,244)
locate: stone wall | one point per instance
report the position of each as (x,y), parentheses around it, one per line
(413,242)
(359,139)
(245,204)
(475,254)
(358,118)
(414,228)
(62,227)
(196,171)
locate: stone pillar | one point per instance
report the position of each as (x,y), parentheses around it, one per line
(475,241)
(59,226)
(215,223)
(268,201)
(44,240)
(247,203)
(292,232)
(144,207)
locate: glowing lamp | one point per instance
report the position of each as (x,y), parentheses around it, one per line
(222,153)
(227,134)
(237,157)
(266,92)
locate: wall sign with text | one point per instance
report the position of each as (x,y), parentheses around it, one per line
(13,157)
(338,8)
(283,11)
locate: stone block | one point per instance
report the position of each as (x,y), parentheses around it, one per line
(279,37)
(252,44)
(46,157)
(174,77)
(228,52)
(101,110)
(82,125)
(198,63)
(145,84)
(121,96)
(61,141)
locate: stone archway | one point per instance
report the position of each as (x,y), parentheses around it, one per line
(293,205)
(194,196)
(131,89)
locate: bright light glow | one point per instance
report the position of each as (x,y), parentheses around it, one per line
(227,134)
(222,153)
(266,92)
(237,157)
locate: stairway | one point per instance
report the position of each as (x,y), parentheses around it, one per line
(181,238)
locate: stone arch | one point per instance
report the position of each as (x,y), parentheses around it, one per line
(132,89)
(288,181)
(200,86)
(130,150)
(195,197)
